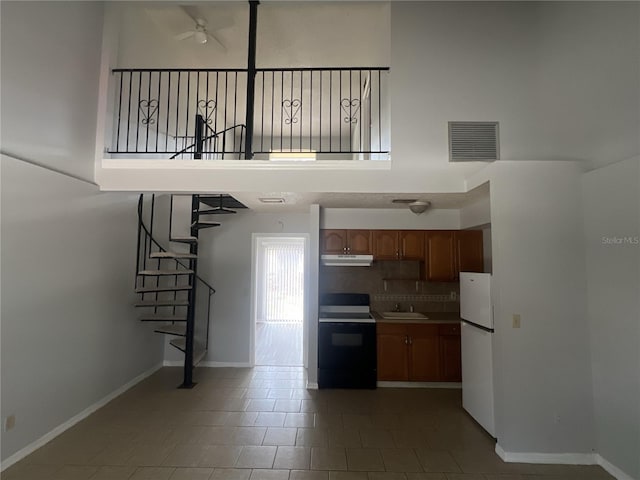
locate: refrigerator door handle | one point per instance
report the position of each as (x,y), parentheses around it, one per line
(480,327)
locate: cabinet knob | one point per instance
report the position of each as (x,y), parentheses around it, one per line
(406,339)
(410,341)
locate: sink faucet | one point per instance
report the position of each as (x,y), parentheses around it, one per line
(396,308)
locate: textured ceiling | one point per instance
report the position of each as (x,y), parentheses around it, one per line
(301,201)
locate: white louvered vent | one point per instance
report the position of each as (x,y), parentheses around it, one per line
(473,141)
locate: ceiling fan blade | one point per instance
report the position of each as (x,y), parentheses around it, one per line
(215,39)
(184,36)
(192,12)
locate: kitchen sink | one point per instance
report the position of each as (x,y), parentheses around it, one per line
(404,315)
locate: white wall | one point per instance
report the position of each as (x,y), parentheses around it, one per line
(476,214)
(69,331)
(370,218)
(542,370)
(50,62)
(560,77)
(612,227)
(225,261)
(313,292)
(290,34)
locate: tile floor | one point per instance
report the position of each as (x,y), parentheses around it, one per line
(261,424)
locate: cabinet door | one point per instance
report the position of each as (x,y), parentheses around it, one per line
(412,245)
(450,358)
(439,261)
(333,241)
(392,352)
(385,245)
(469,254)
(424,353)
(359,242)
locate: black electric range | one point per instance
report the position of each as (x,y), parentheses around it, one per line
(346,342)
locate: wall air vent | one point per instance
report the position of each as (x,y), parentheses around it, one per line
(473,142)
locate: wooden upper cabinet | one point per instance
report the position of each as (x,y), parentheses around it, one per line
(411,244)
(385,245)
(398,245)
(469,251)
(359,242)
(338,242)
(333,241)
(440,256)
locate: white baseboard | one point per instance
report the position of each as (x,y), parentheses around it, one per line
(312,385)
(419,384)
(612,469)
(563,459)
(551,458)
(47,437)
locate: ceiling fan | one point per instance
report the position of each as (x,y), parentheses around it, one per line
(199,31)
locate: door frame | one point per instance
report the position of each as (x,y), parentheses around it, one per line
(256,238)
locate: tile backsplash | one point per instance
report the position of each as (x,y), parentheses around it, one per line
(390,283)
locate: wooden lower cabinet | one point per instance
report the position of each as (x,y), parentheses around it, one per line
(424,353)
(450,353)
(418,352)
(393,353)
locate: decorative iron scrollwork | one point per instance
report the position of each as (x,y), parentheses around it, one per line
(291,108)
(206,109)
(149,109)
(350,107)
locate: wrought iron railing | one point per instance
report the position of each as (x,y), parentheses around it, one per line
(163,288)
(155,110)
(210,145)
(322,112)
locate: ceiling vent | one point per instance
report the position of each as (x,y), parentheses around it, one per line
(473,141)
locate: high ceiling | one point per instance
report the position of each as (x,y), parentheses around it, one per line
(289,34)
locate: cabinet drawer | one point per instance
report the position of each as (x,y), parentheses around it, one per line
(422,329)
(452,329)
(391,329)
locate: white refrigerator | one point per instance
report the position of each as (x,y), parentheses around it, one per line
(476,311)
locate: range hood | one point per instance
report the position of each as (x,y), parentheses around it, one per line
(346,260)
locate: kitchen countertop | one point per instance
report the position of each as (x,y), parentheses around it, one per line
(432,317)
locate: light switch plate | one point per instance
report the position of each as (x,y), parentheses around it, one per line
(516,320)
(9,423)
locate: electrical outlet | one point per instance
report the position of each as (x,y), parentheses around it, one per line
(516,320)
(9,422)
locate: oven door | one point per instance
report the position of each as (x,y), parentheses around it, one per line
(347,355)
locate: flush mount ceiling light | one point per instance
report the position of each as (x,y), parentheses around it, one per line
(403,201)
(271,199)
(418,206)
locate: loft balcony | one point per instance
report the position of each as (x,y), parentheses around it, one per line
(285,114)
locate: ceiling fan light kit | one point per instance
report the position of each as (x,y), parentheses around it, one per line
(200,37)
